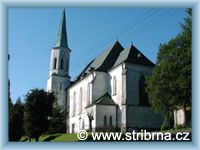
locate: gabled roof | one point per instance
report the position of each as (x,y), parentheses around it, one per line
(115,56)
(61,39)
(104,100)
(133,55)
(105,61)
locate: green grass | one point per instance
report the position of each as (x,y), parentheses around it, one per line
(64,137)
(178,130)
(57,137)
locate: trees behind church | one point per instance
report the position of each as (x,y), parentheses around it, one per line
(16,114)
(38,109)
(57,119)
(38,114)
(170,84)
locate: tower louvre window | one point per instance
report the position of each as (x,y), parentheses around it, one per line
(61,64)
(54,63)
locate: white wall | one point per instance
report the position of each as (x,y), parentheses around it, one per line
(59,82)
(105,110)
(129,114)
(53,85)
(100,85)
(120,96)
(98,81)
(117,72)
(59,54)
(81,121)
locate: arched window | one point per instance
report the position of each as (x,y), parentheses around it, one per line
(61,64)
(105,121)
(83,125)
(111,121)
(80,100)
(89,93)
(74,103)
(60,86)
(143,96)
(114,86)
(54,63)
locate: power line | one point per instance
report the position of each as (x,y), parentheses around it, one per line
(138,31)
(152,22)
(116,34)
(121,34)
(136,22)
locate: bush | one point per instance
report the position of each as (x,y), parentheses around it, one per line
(179,127)
(164,127)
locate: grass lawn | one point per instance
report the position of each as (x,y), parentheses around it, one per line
(177,130)
(64,137)
(58,137)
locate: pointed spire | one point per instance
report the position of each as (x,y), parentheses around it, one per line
(61,39)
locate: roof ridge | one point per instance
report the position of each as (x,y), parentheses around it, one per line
(130,54)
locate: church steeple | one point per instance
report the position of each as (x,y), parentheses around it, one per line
(61,39)
(59,78)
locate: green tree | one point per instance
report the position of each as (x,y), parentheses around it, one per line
(11,121)
(16,114)
(38,108)
(57,119)
(170,84)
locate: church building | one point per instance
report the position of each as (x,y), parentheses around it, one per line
(108,95)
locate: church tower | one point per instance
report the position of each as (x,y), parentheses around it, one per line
(59,78)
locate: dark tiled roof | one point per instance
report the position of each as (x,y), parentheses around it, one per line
(105,61)
(115,56)
(133,55)
(104,100)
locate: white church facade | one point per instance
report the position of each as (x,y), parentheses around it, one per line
(110,89)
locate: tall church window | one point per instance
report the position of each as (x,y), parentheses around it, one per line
(111,121)
(61,64)
(73,127)
(143,96)
(80,100)
(74,104)
(54,63)
(83,125)
(114,86)
(89,97)
(60,86)
(104,121)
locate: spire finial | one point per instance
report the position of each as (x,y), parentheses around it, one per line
(131,42)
